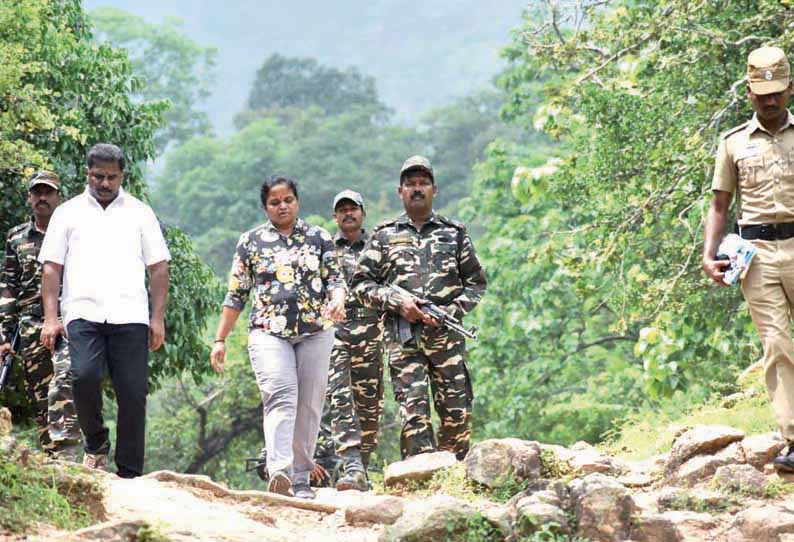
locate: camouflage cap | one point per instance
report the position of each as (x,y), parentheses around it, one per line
(417,162)
(45,177)
(351,195)
(767,70)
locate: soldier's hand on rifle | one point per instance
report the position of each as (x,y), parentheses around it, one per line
(5,348)
(410,311)
(218,356)
(50,332)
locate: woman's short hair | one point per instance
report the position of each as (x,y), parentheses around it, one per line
(275,180)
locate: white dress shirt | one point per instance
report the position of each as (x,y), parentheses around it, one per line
(104,253)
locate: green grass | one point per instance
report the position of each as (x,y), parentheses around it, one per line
(451,481)
(686,501)
(33,494)
(648,432)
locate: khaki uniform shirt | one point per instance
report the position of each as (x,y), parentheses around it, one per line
(759,167)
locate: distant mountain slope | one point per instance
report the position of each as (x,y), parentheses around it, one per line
(421,53)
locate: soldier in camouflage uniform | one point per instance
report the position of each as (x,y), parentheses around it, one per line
(355,386)
(434,258)
(47,377)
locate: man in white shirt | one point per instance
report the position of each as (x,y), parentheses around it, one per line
(101,242)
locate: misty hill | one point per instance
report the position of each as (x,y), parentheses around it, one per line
(422,54)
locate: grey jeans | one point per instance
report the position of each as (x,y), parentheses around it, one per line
(292,375)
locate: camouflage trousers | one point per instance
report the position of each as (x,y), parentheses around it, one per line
(49,386)
(355,388)
(438,364)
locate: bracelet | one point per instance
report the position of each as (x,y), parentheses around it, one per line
(220,340)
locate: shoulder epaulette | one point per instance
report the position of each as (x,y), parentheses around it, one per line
(383,224)
(17,228)
(450,222)
(734,130)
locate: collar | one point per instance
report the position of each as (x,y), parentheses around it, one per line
(755,125)
(403,219)
(31,228)
(300,226)
(92,200)
(341,240)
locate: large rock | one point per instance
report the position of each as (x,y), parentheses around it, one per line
(439,518)
(603,508)
(500,462)
(702,467)
(6,425)
(588,460)
(760,450)
(700,440)
(764,523)
(532,512)
(677,526)
(418,468)
(500,517)
(741,479)
(381,510)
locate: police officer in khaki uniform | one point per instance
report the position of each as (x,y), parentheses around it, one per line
(434,258)
(755,160)
(47,377)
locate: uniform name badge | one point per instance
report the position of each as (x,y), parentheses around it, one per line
(285,274)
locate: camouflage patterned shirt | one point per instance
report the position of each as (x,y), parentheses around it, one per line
(21,275)
(437,262)
(289,276)
(347,255)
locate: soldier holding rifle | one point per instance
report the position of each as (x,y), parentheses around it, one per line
(432,258)
(47,377)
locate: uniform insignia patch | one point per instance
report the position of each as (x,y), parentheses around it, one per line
(400,240)
(768,75)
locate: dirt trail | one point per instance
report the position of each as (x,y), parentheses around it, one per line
(182,512)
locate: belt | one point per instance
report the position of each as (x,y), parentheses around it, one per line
(357,313)
(769,232)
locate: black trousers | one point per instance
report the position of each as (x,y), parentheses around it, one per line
(123,351)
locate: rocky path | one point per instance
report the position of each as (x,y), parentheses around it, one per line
(178,509)
(715,485)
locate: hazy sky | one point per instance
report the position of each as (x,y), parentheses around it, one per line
(421,52)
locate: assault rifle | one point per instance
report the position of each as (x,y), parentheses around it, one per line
(431,309)
(8,360)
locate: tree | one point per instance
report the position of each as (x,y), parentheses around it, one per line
(598,306)
(63,93)
(173,67)
(457,135)
(210,187)
(302,82)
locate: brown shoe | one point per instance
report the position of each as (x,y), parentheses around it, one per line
(95,461)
